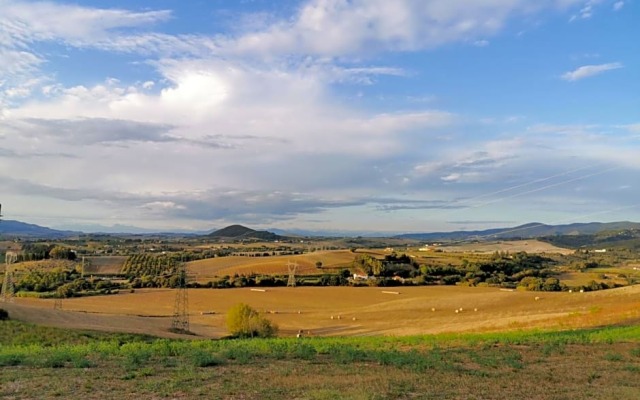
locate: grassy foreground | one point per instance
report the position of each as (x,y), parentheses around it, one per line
(39,362)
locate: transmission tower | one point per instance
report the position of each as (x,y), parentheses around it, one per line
(57,303)
(292,267)
(8,288)
(180,321)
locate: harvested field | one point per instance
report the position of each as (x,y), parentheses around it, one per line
(208,269)
(511,246)
(376,313)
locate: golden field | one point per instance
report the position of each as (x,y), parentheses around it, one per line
(355,311)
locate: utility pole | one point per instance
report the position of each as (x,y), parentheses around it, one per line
(8,288)
(292,267)
(180,321)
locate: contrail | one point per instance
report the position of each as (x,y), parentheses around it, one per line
(529,183)
(544,187)
(545,179)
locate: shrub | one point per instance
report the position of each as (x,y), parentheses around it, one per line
(244,321)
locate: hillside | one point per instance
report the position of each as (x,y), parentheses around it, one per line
(239,232)
(13,228)
(628,239)
(531,230)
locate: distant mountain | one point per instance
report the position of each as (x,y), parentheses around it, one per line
(239,232)
(119,229)
(531,230)
(13,228)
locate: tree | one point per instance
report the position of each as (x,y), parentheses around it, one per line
(62,253)
(244,321)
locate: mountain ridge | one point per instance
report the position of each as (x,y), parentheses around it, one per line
(13,228)
(529,230)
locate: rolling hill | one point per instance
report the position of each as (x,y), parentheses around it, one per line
(239,232)
(13,228)
(532,230)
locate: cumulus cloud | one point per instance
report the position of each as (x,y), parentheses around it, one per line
(587,71)
(251,124)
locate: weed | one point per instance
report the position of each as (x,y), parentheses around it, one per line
(82,362)
(348,354)
(513,360)
(11,359)
(237,353)
(613,357)
(592,377)
(303,351)
(632,368)
(551,348)
(146,371)
(201,358)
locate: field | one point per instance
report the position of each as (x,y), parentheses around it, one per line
(333,260)
(331,311)
(206,270)
(109,265)
(46,363)
(512,246)
(427,342)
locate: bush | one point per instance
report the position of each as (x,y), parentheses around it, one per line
(244,321)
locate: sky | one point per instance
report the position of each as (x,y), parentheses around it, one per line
(325,115)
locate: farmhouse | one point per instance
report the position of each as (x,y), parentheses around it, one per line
(358,277)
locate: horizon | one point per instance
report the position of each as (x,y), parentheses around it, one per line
(133,230)
(353,116)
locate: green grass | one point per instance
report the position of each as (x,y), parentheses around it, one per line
(433,366)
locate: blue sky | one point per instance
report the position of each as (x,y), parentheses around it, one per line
(341,115)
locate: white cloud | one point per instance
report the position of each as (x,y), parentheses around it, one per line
(26,22)
(249,124)
(336,28)
(586,71)
(618,5)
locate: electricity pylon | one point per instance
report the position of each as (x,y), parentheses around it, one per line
(180,321)
(8,288)
(292,267)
